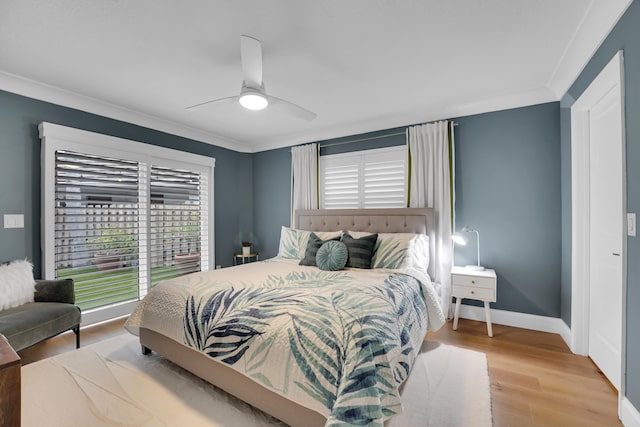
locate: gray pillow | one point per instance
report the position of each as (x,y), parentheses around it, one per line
(332,256)
(313,245)
(360,250)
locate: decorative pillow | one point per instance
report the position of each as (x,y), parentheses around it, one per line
(360,250)
(418,252)
(332,256)
(398,250)
(313,244)
(293,243)
(17,286)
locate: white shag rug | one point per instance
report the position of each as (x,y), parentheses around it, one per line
(112,384)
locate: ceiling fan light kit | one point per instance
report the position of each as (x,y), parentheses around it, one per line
(252,95)
(252,99)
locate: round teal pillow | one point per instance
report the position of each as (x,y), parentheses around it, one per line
(332,256)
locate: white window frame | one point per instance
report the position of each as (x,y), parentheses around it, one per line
(360,158)
(56,137)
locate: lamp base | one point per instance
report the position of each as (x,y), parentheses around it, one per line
(474,267)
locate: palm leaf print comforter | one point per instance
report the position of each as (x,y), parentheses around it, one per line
(340,343)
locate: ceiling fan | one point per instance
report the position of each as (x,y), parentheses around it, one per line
(252,94)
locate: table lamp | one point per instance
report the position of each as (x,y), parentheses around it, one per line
(462,240)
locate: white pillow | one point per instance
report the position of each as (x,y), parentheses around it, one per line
(418,252)
(16,284)
(293,243)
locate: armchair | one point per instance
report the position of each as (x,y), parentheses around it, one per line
(52,312)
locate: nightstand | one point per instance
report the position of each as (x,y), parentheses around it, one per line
(473,284)
(245,258)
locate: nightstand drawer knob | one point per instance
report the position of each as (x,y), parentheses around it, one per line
(473,281)
(473,292)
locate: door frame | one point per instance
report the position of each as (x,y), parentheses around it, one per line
(611,75)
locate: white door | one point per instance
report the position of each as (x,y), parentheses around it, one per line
(606,225)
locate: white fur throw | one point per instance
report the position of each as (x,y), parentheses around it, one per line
(16,284)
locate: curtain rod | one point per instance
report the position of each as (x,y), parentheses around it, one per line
(368,139)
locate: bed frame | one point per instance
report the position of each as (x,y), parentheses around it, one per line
(405,220)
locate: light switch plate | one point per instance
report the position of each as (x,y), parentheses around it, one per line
(14,221)
(631,224)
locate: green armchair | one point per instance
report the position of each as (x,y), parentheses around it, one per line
(52,312)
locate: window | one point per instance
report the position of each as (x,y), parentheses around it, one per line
(119,216)
(364,179)
(178,232)
(96,227)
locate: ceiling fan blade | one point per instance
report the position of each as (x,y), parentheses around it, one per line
(251,53)
(219,100)
(291,108)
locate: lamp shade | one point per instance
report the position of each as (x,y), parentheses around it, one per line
(459,239)
(462,239)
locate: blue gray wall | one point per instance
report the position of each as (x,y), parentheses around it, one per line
(20,174)
(507,185)
(626,36)
(272,198)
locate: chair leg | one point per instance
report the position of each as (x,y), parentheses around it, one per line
(76,331)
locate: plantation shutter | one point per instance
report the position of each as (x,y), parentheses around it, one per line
(178,229)
(97,227)
(384,180)
(340,180)
(365,179)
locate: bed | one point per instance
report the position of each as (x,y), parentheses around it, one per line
(309,347)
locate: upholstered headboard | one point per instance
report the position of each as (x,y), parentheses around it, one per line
(396,220)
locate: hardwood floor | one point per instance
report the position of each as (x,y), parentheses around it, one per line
(535,379)
(67,341)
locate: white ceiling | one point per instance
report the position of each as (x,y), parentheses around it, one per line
(361,65)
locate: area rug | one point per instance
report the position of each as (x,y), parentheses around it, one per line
(112,384)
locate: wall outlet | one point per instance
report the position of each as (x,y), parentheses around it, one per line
(631,224)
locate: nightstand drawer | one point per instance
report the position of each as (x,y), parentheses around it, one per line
(473,281)
(473,292)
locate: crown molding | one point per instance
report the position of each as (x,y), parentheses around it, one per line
(32,89)
(55,95)
(534,96)
(601,17)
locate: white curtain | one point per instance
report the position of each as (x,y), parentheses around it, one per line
(304,178)
(431,188)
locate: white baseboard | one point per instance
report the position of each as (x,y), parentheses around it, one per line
(629,415)
(565,333)
(518,320)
